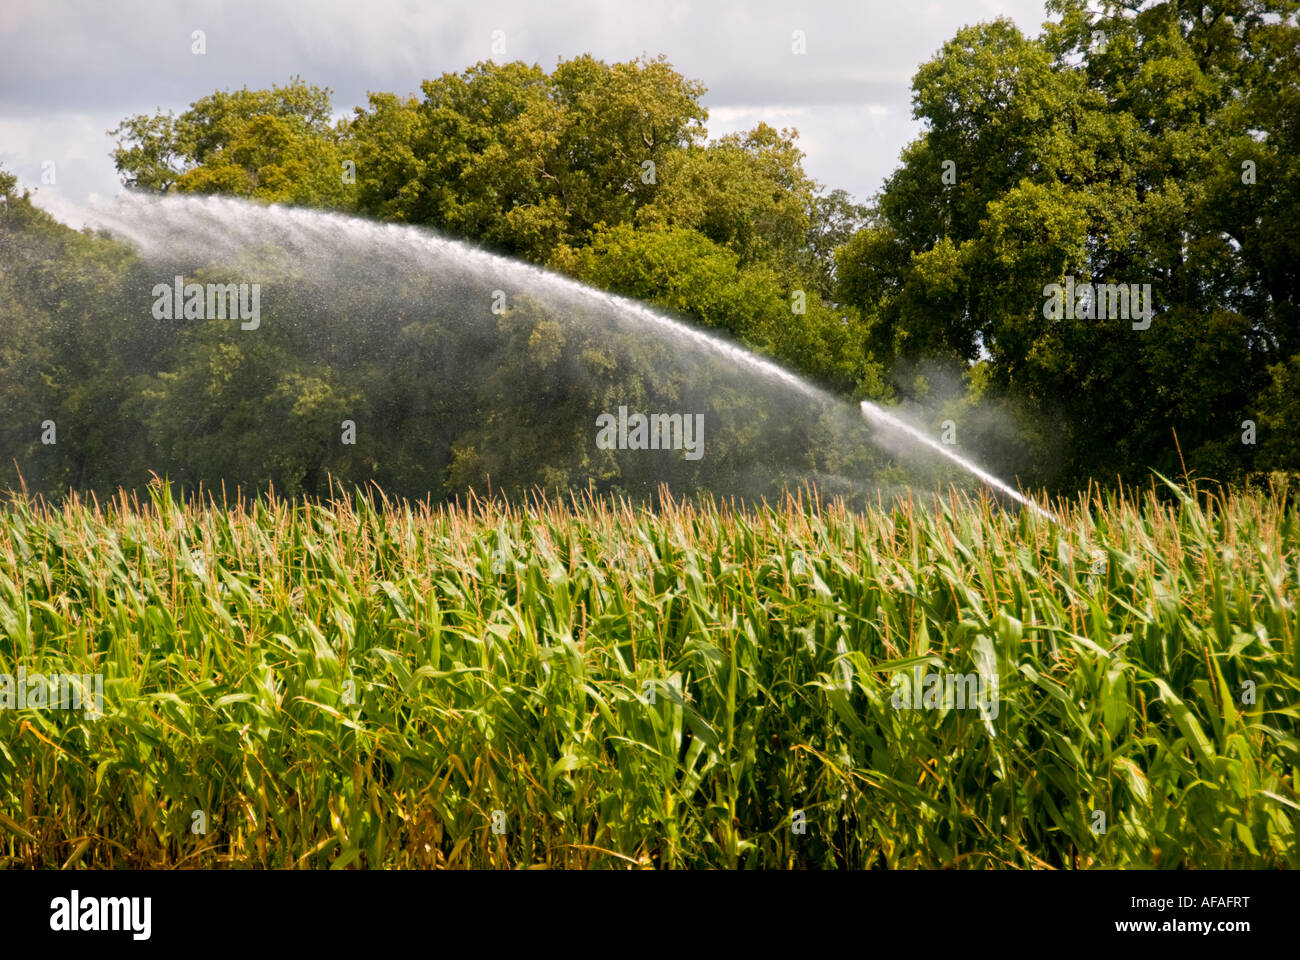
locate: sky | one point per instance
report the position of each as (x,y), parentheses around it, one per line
(71,71)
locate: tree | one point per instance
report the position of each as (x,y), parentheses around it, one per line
(1107,151)
(277,145)
(834,219)
(686,273)
(522,160)
(745,192)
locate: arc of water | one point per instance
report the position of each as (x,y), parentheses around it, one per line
(880,417)
(138,216)
(158,224)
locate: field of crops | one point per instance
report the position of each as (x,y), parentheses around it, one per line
(597,685)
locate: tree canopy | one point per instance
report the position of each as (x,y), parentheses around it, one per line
(1151,145)
(1127,148)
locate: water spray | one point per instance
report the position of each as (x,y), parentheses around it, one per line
(880,418)
(184,231)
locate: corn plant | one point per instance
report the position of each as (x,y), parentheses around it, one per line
(592,683)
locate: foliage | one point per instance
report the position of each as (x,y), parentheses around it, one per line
(362,684)
(1152,144)
(1114,148)
(277,145)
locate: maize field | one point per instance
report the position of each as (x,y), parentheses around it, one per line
(360,683)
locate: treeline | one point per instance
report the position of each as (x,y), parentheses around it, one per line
(1155,148)
(361,354)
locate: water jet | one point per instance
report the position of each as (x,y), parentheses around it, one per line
(881,418)
(463,364)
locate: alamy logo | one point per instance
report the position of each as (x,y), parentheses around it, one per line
(1113,301)
(70,914)
(215,301)
(658,431)
(62,691)
(945,691)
